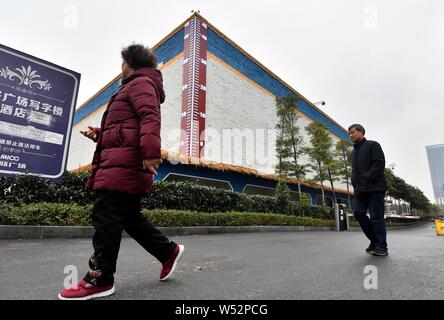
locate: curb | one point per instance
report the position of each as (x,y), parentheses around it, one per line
(59,232)
(54,232)
(407,226)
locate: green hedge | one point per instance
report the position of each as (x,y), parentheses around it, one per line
(32,189)
(165,195)
(169,218)
(45,214)
(48,214)
(187,196)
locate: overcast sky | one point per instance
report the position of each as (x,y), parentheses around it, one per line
(378,63)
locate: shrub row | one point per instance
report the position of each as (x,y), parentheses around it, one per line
(165,195)
(47,214)
(186,196)
(32,189)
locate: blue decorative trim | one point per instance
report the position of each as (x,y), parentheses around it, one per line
(171,48)
(96,103)
(165,52)
(233,57)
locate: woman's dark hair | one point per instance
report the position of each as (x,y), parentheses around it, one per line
(358,127)
(138,56)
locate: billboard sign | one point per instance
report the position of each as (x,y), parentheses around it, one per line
(37,105)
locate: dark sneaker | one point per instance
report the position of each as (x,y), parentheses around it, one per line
(380,252)
(86,290)
(170,265)
(370,248)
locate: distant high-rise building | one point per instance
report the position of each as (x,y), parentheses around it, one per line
(435,155)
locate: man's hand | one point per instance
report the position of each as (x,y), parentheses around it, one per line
(152,165)
(90,133)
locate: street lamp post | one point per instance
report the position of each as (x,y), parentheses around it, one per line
(322,103)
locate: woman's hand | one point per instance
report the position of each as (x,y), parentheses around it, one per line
(152,165)
(90,133)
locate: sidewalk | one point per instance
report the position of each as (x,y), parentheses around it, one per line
(268,265)
(52,232)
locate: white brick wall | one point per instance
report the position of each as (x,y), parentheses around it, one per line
(81,149)
(171,109)
(235,103)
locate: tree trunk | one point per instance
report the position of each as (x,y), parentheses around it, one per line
(280,153)
(322,183)
(300,191)
(295,157)
(323,195)
(331,183)
(344,156)
(348,196)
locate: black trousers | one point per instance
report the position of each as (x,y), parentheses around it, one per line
(114,212)
(373,227)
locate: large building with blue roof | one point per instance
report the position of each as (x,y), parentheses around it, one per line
(219,117)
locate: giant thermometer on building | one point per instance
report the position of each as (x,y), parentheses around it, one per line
(194,88)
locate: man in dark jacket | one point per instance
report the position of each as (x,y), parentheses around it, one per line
(126,158)
(369,186)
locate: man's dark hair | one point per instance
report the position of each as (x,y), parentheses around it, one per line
(138,56)
(358,127)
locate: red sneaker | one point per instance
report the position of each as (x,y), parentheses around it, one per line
(85,291)
(170,265)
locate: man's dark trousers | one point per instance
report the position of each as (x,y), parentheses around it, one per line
(117,211)
(373,228)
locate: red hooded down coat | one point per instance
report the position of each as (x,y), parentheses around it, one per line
(129,133)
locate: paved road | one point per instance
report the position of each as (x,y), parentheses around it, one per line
(288,265)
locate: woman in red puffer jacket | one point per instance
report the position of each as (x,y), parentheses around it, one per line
(126,158)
